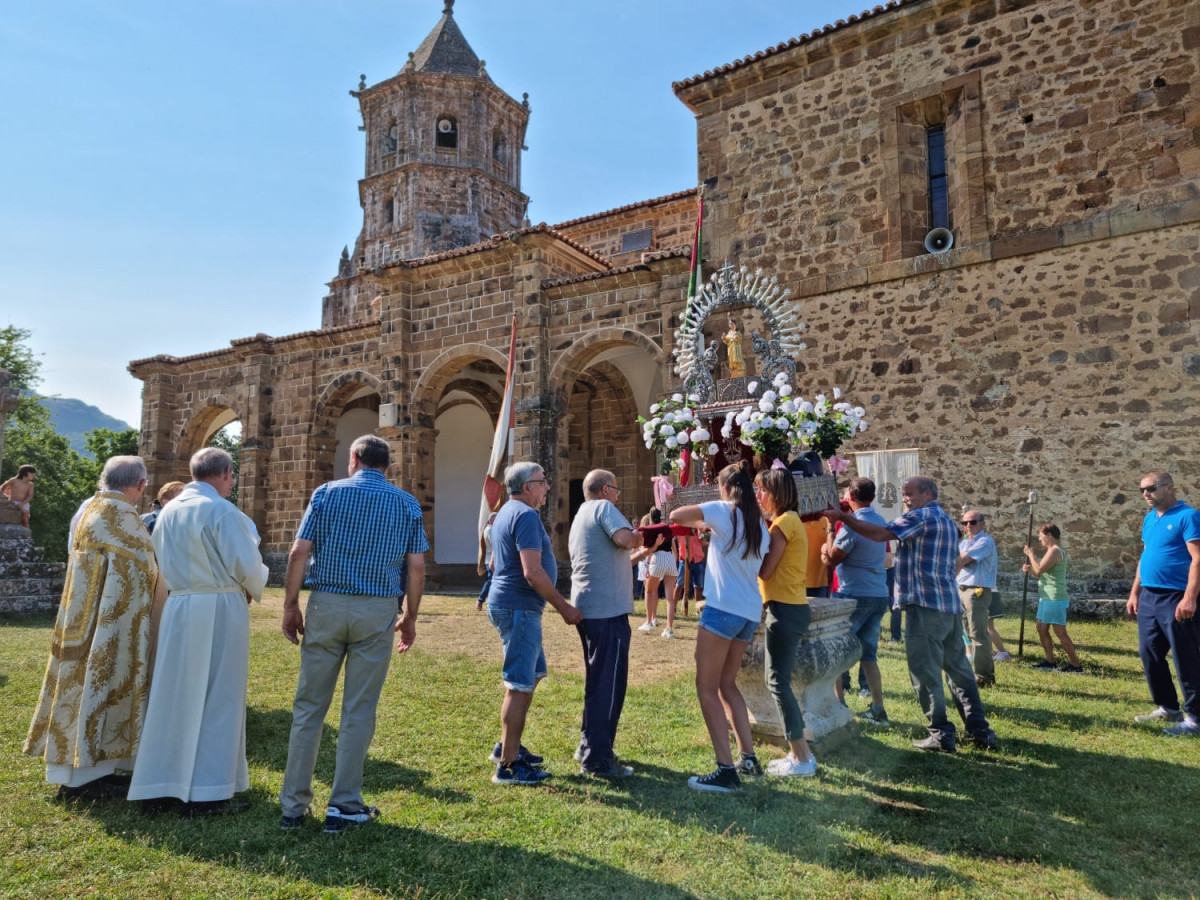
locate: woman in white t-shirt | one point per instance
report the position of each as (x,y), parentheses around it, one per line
(731,614)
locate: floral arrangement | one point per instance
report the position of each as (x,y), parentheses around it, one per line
(779,422)
(674,427)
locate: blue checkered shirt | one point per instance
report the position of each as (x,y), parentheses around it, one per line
(362,528)
(926,558)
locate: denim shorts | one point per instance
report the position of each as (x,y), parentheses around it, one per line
(521,633)
(866,622)
(727,625)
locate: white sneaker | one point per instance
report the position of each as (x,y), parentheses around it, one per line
(646,627)
(790,766)
(668,633)
(1002,656)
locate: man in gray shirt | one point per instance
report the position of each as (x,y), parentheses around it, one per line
(861,575)
(602,590)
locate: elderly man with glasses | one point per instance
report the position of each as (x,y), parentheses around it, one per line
(976,583)
(601,543)
(1163,598)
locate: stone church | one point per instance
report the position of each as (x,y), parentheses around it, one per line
(1046,338)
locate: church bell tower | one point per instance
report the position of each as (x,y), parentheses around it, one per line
(443,162)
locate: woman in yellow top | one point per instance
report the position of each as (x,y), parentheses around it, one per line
(781,583)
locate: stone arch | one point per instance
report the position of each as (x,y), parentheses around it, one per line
(322,435)
(575,360)
(218,411)
(428,391)
(599,429)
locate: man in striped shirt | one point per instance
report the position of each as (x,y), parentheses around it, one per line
(925,568)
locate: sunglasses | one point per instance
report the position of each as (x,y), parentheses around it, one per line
(970,521)
(1151,488)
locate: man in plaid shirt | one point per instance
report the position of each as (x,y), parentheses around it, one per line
(367,544)
(925,567)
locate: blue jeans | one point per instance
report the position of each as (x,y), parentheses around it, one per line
(521,633)
(786,625)
(1158,633)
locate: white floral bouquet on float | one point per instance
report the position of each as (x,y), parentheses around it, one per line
(780,422)
(674,427)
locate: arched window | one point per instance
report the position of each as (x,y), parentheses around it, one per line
(499,148)
(446,133)
(389,210)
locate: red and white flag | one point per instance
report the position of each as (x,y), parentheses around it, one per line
(493,489)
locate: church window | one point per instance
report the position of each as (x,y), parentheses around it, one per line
(932,159)
(939,208)
(499,148)
(636,240)
(446,133)
(389,210)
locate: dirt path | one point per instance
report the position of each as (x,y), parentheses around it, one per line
(450,625)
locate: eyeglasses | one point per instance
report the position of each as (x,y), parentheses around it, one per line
(970,521)
(537,481)
(1151,488)
(614,487)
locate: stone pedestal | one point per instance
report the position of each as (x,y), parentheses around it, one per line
(827,650)
(27,583)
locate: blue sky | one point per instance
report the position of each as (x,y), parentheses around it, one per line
(176,175)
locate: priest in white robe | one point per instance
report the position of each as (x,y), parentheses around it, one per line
(93,703)
(194,748)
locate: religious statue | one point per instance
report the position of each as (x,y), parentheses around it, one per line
(733,348)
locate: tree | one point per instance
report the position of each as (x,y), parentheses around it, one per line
(65,478)
(18,358)
(229,439)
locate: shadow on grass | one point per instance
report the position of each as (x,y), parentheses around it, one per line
(1031,804)
(30,620)
(380,857)
(267,733)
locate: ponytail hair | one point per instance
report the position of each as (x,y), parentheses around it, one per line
(735,479)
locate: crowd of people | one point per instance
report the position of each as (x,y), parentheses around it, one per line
(145,691)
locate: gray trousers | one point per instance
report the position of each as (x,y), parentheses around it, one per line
(338,628)
(933,643)
(975,620)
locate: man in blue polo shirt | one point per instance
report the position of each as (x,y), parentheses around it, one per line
(933,642)
(367,544)
(1163,598)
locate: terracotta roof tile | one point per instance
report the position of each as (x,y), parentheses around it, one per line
(263,338)
(672,253)
(491,243)
(641,204)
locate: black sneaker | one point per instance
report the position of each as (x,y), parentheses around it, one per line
(748,765)
(519,773)
(291,823)
(337,821)
(615,769)
(523,755)
(1044,664)
(722,780)
(1067,667)
(934,745)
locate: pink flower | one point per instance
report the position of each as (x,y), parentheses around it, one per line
(837,465)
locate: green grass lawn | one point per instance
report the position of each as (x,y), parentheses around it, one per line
(1079,801)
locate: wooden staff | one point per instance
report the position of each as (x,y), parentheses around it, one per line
(1025,589)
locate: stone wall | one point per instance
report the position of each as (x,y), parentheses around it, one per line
(1056,347)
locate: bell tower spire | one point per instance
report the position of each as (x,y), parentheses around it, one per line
(443,159)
